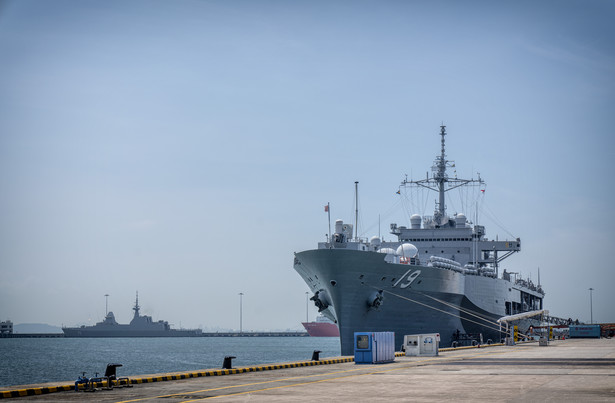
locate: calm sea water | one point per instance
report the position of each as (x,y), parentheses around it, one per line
(28,361)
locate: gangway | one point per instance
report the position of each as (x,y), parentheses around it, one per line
(518,316)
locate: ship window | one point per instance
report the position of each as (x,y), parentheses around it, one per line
(383,278)
(393,279)
(333,283)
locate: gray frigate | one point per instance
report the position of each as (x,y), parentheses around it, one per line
(139,326)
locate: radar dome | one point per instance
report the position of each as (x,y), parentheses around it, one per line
(388,251)
(375,241)
(407,250)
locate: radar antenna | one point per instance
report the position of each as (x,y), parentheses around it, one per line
(439,179)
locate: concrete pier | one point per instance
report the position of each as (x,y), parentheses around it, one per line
(566,370)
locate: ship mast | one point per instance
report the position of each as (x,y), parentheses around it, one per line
(440,178)
(356,211)
(136,308)
(440,182)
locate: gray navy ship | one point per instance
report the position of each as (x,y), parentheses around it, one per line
(442,274)
(140,326)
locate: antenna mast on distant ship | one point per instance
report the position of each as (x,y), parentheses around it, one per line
(136,308)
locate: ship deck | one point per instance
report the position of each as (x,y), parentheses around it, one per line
(566,370)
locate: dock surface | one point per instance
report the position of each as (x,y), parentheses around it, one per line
(567,370)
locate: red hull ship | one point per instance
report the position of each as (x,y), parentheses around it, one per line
(321,328)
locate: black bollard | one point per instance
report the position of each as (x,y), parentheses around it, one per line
(228,362)
(315,355)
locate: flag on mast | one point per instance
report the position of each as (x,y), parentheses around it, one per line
(327,208)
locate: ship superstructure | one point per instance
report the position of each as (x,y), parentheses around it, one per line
(441,275)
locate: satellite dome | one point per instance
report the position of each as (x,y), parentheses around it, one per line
(374,241)
(407,250)
(388,251)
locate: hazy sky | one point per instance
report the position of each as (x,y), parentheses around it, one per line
(186,149)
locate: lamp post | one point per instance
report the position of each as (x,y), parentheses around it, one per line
(240,312)
(306,306)
(591,308)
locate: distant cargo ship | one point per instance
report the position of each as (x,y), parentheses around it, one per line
(140,326)
(323,327)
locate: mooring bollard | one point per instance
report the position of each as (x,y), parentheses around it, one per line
(228,362)
(315,355)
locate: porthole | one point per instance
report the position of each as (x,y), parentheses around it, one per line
(333,283)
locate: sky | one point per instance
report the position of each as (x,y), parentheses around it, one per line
(185,149)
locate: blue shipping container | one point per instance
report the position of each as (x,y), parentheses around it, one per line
(374,347)
(580,331)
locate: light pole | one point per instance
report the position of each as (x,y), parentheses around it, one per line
(306,306)
(591,308)
(240,312)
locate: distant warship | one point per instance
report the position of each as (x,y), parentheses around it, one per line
(442,275)
(140,326)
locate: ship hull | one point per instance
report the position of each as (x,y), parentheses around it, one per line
(88,332)
(365,293)
(321,329)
